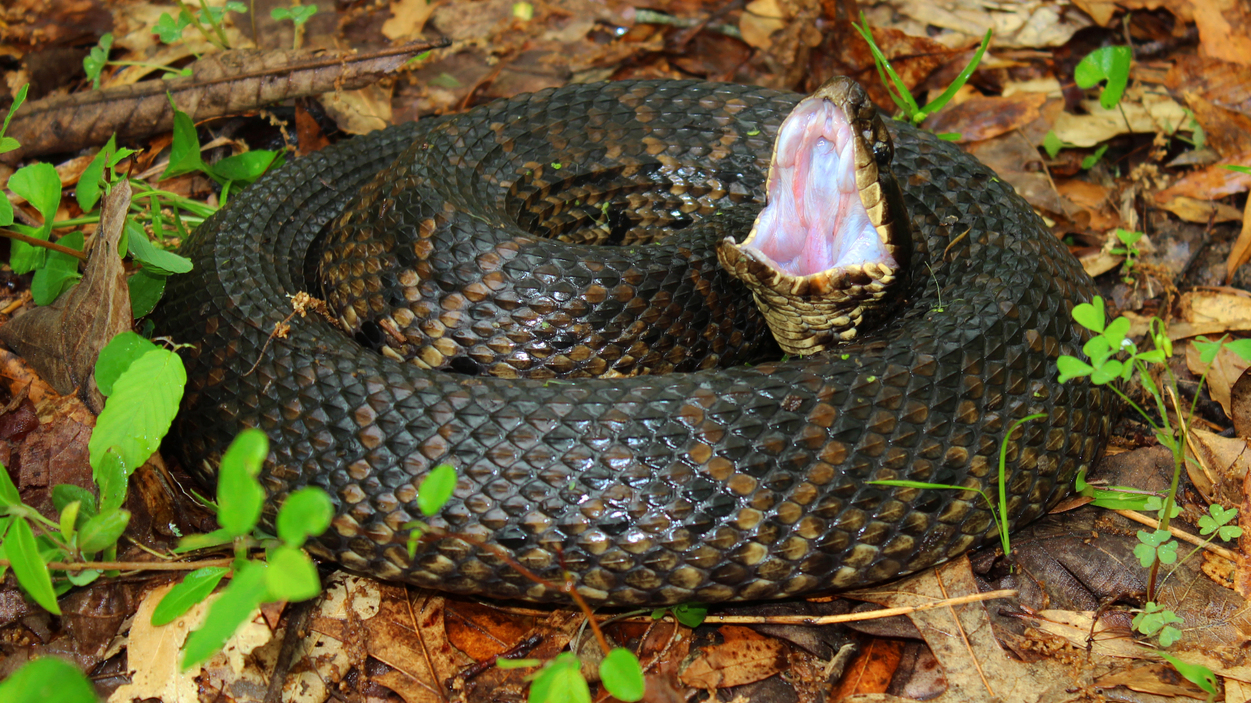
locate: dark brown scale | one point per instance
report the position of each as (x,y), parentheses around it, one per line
(739,483)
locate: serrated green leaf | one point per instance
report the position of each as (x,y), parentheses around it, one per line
(29,568)
(47,680)
(239,495)
(436,489)
(292,576)
(622,675)
(306,512)
(140,410)
(231,609)
(195,587)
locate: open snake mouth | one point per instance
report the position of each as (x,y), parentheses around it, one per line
(832,240)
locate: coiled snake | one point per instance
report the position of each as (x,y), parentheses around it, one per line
(708,484)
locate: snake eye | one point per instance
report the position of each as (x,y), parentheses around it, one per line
(882,152)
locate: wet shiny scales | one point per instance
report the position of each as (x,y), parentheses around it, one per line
(724,483)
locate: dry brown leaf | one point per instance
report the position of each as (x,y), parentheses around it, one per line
(1027,24)
(221,84)
(62,340)
(760,19)
(1201,211)
(1210,183)
(1144,110)
(1152,677)
(744,656)
(1093,200)
(873,668)
(1241,251)
(1224,29)
(1240,405)
(1219,467)
(1226,369)
(408,17)
(1213,306)
(359,111)
(154,653)
(981,117)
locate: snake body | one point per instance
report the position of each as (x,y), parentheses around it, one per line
(710,484)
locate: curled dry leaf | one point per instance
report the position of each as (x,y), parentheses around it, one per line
(233,81)
(62,340)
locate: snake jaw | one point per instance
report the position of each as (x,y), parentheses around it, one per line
(832,240)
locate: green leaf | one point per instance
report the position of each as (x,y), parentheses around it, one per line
(65,493)
(560,682)
(1090,315)
(963,77)
(239,495)
(160,261)
(1196,674)
(93,63)
(248,166)
(6,208)
(195,587)
(17,103)
(231,609)
(1127,237)
(690,614)
(1241,347)
(306,512)
(146,290)
(184,152)
(1071,367)
(28,566)
(1238,169)
(1109,371)
(1090,161)
(1145,554)
(87,192)
(138,413)
(1110,63)
(8,492)
(47,680)
(102,531)
(216,538)
(69,520)
(1052,144)
(59,272)
(112,476)
(292,576)
(1167,553)
(436,489)
(299,14)
(41,186)
(622,675)
(168,29)
(1169,635)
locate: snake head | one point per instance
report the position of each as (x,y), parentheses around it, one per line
(828,251)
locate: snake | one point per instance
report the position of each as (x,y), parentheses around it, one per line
(695,461)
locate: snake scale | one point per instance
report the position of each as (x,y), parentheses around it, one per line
(721,481)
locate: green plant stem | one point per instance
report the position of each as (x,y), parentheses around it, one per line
(141,64)
(34,241)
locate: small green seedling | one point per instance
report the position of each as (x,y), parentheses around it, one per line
(298,15)
(1110,63)
(1128,249)
(899,92)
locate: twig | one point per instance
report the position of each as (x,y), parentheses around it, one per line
(132,565)
(34,241)
(856,617)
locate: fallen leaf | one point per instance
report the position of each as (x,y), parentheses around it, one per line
(1224,29)
(982,117)
(62,340)
(742,657)
(408,17)
(1201,211)
(1241,251)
